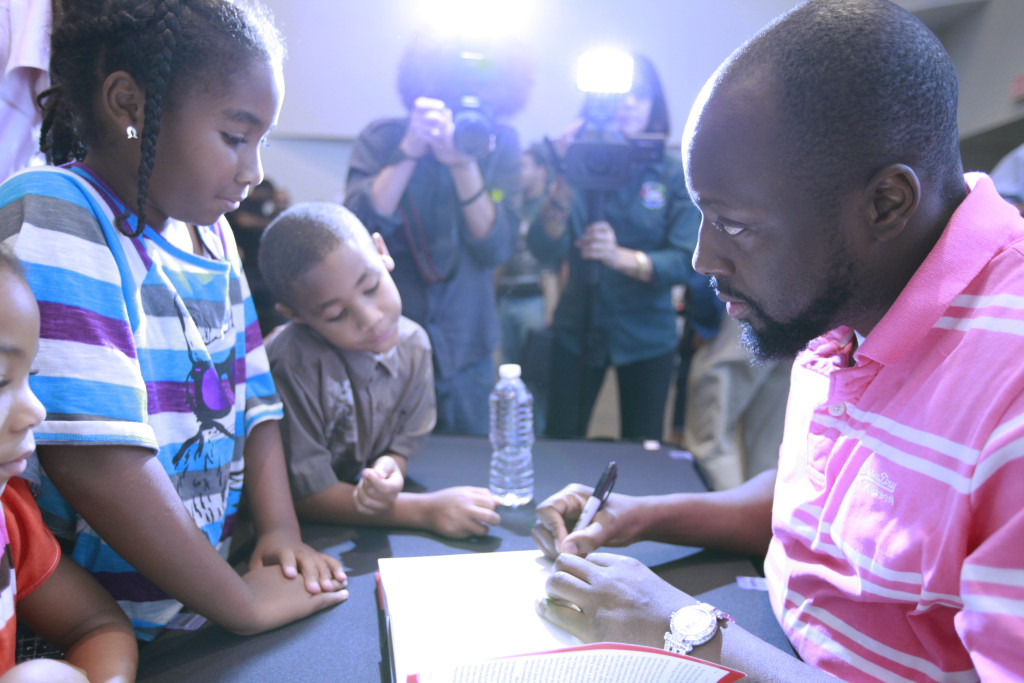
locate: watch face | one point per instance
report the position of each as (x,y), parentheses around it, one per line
(694,624)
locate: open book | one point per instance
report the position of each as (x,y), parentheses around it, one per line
(455,617)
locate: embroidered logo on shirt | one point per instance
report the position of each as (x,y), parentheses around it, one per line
(652,194)
(878,484)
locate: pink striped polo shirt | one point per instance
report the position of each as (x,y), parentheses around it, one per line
(898,548)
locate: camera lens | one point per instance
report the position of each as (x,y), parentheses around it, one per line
(473,132)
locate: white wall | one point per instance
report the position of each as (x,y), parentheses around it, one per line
(343,56)
(987,48)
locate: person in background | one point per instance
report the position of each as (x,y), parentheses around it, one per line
(525,288)
(735,408)
(356,380)
(162,409)
(24,59)
(248,221)
(1008,176)
(38,586)
(448,205)
(627,319)
(520,293)
(701,315)
(838,225)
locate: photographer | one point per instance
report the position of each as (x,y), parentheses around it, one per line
(616,308)
(442,187)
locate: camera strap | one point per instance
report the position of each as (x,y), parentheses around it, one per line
(416,238)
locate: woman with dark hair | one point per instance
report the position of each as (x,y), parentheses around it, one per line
(616,308)
(442,187)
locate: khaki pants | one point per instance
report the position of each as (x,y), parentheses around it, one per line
(734,410)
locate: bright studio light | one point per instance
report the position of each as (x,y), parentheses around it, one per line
(477,19)
(604,70)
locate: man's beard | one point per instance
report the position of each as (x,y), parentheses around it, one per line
(775,339)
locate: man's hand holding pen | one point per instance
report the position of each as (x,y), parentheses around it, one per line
(602,525)
(600,596)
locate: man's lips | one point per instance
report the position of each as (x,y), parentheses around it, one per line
(735,307)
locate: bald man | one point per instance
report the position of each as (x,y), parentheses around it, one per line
(838,226)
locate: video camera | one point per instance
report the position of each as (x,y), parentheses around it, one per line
(600,157)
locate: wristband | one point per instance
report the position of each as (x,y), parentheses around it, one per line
(475,197)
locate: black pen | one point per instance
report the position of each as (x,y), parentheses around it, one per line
(598,497)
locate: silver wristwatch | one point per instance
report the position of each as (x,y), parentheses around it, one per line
(691,626)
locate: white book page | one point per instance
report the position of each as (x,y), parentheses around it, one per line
(452,609)
(611,664)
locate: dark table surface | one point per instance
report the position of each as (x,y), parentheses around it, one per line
(345,643)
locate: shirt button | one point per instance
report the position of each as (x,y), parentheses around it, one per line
(836,409)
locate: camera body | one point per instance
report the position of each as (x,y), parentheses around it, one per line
(474,127)
(601,158)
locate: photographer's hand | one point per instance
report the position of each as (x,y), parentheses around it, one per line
(598,243)
(471,193)
(427,122)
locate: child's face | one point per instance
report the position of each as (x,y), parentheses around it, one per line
(20,410)
(350,300)
(208,151)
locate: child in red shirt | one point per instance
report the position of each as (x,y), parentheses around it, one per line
(53,596)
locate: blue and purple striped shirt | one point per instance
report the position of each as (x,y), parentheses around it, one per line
(142,344)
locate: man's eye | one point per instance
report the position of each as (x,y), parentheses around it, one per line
(233,140)
(731,229)
(339,317)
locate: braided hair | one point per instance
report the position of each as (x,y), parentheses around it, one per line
(171,48)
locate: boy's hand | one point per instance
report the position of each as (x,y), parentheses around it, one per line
(378,486)
(461,511)
(322,573)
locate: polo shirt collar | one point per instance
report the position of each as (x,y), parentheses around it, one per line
(362,365)
(980,227)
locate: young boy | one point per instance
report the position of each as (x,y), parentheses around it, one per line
(356,379)
(52,595)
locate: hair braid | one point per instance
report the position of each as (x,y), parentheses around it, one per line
(159,73)
(77,48)
(57,137)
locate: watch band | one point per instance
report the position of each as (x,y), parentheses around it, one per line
(682,643)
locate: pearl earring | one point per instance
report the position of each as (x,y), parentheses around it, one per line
(131,132)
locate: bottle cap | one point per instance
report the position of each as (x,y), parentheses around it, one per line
(509,370)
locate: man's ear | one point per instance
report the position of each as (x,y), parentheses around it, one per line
(894,193)
(122,100)
(382,249)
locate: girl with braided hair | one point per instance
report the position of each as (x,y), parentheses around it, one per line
(151,365)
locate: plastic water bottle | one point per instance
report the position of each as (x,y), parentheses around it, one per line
(511,438)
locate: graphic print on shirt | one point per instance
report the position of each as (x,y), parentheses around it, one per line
(341,429)
(209,393)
